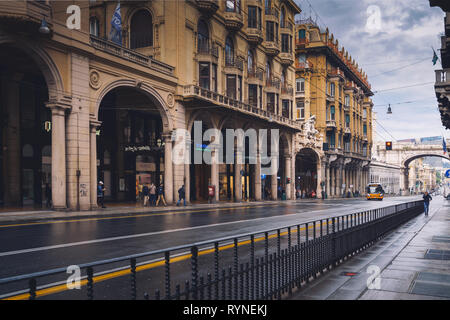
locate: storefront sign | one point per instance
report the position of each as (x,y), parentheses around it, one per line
(137,148)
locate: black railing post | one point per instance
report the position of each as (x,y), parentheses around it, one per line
(252,265)
(216,269)
(167,273)
(194,270)
(90,283)
(236,266)
(133,278)
(32,286)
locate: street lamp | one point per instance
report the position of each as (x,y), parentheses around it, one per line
(389,111)
(44,29)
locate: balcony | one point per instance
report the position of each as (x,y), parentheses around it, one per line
(207,7)
(301,43)
(303,65)
(271,14)
(442,77)
(347,130)
(346,108)
(364,137)
(25,15)
(233,21)
(195,93)
(330,98)
(331,124)
(336,72)
(272,47)
(254,36)
(255,75)
(236,63)
(287,90)
(286,58)
(131,55)
(273,83)
(208,50)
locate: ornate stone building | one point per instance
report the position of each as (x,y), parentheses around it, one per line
(332,88)
(77,108)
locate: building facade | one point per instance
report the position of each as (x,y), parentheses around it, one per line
(77,107)
(387,175)
(442,85)
(332,88)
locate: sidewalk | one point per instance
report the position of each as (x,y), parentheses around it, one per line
(413,262)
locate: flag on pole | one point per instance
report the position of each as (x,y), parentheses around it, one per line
(435,57)
(116,26)
(444,145)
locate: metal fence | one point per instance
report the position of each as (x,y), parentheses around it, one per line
(262,265)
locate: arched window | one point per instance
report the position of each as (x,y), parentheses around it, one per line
(251,67)
(283,79)
(282,18)
(229,51)
(94,26)
(141,30)
(203,36)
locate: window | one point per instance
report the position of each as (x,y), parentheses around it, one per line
(300,110)
(252,18)
(364,113)
(268,70)
(214,77)
(347,121)
(331,138)
(282,18)
(141,30)
(94,26)
(233,6)
(300,85)
(231,86)
(332,113)
(253,95)
(332,89)
(270,31)
(259,19)
(250,65)
(240,88)
(285,43)
(283,79)
(229,51)
(203,37)
(347,100)
(271,102)
(302,34)
(204,75)
(365,129)
(285,108)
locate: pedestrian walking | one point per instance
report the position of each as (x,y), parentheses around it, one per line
(145,193)
(101,194)
(152,194)
(181,195)
(160,193)
(426,202)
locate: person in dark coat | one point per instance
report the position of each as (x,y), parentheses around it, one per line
(48,195)
(426,202)
(101,194)
(181,195)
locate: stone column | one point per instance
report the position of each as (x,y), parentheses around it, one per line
(327,178)
(168,169)
(274,186)
(215,170)
(237,174)
(58,158)
(93,163)
(319,179)
(288,175)
(331,190)
(342,178)
(258,195)
(12,153)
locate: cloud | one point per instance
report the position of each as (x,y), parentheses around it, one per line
(398,55)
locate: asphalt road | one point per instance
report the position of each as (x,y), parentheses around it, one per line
(37,247)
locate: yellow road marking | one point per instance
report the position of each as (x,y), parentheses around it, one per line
(152,265)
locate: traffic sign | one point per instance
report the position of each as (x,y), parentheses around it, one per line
(447,173)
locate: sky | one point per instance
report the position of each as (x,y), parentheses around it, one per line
(392,41)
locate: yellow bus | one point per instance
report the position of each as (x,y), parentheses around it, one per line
(375,191)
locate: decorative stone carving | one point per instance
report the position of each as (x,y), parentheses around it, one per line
(170,100)
(94,79)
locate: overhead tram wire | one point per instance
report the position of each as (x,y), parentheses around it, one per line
(385,130)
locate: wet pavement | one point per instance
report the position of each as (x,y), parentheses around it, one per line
(411,263)
(38,245)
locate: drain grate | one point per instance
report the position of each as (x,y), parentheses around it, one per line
(433,277)
(440,239)
(431,289)
(434,254)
